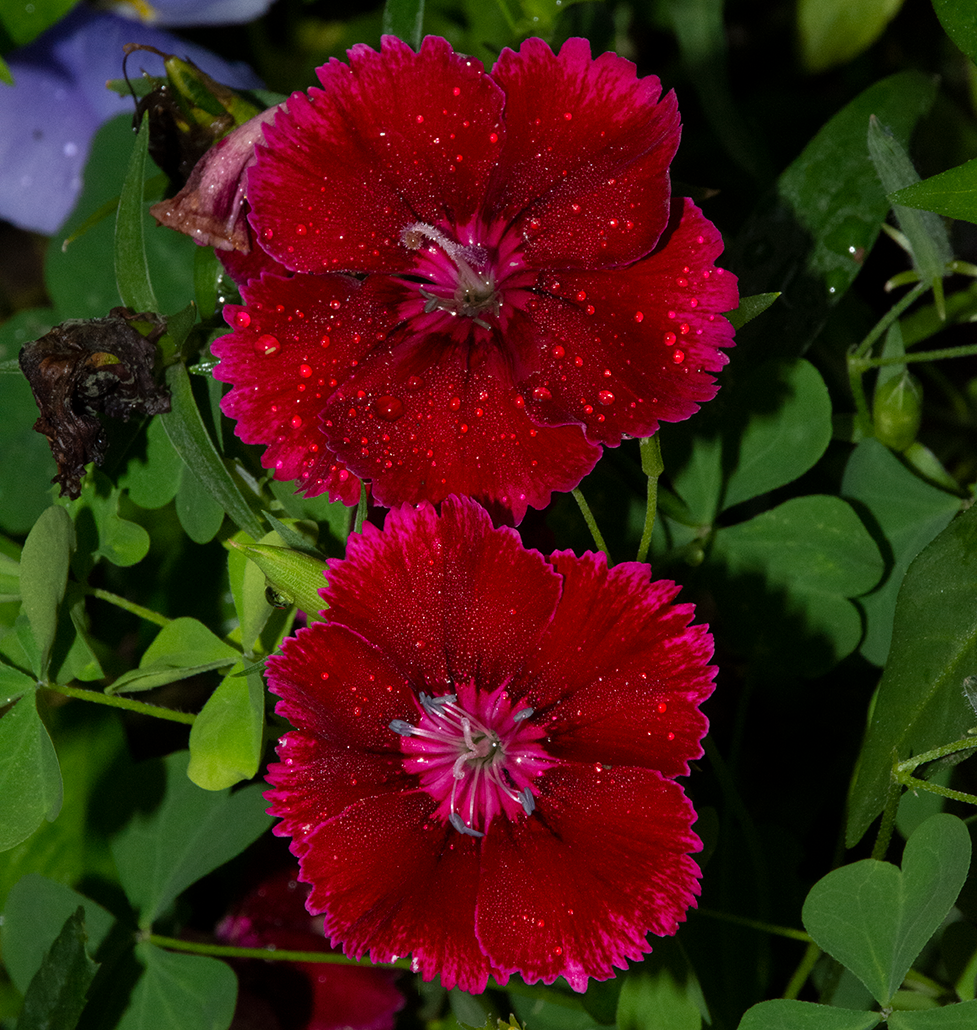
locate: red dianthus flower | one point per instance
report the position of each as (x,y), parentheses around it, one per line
(482,769)
(491,278)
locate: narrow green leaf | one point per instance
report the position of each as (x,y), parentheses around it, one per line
(405,20)
(190,438)
(952,193)
(962,1016)
(227,737)
(180,992)
(33,917)
(296,576)
(957,18)
(920,703)
(43,576)
(131,266)
(57,993)
(780,1014)
(190,832)
(811,239)
(750,307)
(875,919)
(832,32)
(30,779)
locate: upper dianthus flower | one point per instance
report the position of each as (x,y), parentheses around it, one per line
(470,281)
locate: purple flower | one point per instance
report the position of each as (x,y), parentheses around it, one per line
(59,99)
(191,12)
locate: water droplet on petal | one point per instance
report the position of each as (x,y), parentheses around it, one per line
(671,736)
(678,356)
(540,393)
(389,408)
(267,345)
(296,422)
(661,707)
(558,351)
(670,339)
(454,404)
(415,383)
(305,371)
(300,229)
(493,137)
(419,119)
(639,316)
(242,320)
(605,397)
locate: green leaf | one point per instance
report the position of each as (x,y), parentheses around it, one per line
(957,18)
(182,648)
(780,1014)
(5,75)
(750,307)
(952,193)
(334,514)
(153,479)
(189,833)
(962,1016)
(405,20)
(811,239)
(788,575)
(875,919)
(200,514)
(75,846)
(832,32)
(33,917)
(131,267)
(296,576)
(227,736)
(30,778)
(43,576)
(663,994)
(24,22)
(180,992)
(920,702)
(13,684)
(190,438)
(56,995)
(101,531)
(907,513)
(770,427)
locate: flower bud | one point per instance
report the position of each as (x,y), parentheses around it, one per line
(897,410)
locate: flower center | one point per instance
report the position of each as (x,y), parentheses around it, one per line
(461,278)
(476,757)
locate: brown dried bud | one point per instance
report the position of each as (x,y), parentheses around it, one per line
(85,366)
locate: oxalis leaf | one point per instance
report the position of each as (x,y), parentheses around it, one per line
(875,919)
(920,703)
(804,1015)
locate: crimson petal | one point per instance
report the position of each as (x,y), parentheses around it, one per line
(629,832)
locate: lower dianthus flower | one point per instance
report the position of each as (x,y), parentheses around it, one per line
(482,769)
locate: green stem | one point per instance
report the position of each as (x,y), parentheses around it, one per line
(360,510)
(811,955)
(652,466)
(113,701)
(271,954)
(965,744)
(888,318)
(757,924)
(934,788)
(130,606)
(927,355)
(590,520)
(888,820)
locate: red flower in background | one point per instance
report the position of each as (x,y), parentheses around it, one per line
(482,769)
(322,996)
(491,278)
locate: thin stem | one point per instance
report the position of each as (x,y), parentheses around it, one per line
(966,744)
(360,510)
(811,955)
(130,606)
(863,416)
(652,466)
(590,520)
(888,318)
(271,954)
(927,355)
(758,925)
(934,788)
(113,701)
(888,820)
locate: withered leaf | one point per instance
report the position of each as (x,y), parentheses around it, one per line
(86,366)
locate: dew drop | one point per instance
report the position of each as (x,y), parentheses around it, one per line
(493,137)
(540,393)
(242,320)
(296,422)
(684,328)
(389,408)
(454,404)
(305,371)
(520,401)
(267,345)
(457,91)
(681,282)
(590,309)
(419,119)
(670,736)
(558,351)
(678,356)
(324,341)
(300,229)
(670,339)
(463,428)
(415,383)
(605,397)
(581,295)
(268,234)
(661,707)
(639,316)
(335,304)
(575,208)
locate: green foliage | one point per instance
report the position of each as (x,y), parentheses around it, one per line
(934,647)
(662,994)
(43,578)
(804,1015)
(23,22)
(131,268)
(404,19)
(952,193)
(832,32)
(875,919)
